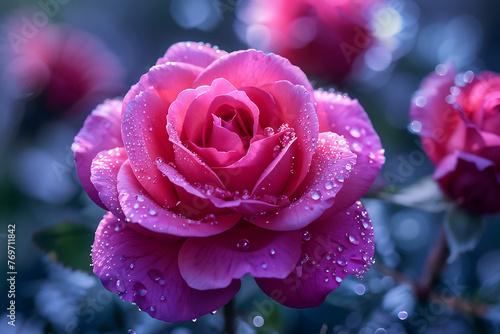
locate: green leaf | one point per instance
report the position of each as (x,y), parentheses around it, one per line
(423,194)
(67,243)
(463,231)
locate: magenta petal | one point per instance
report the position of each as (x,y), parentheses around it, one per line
(346,117)
(253,68)
(491,153)
(295,108)
(145,271)
(165,81)
(330,165)
(178,109)
(224,140)
(335,246)
(105,168)
(145,138)
(101,131)
(215,158)
(193,110)
(198,54)
(189,165)
(139,208)
(213,262)
(275,177)
(470,180)
(437,117)
(196,204)
(251,207)
(244,173)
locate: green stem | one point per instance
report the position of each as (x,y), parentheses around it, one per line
(434,267)
(229,314)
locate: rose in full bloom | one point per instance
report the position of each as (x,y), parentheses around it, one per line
(219,165)
(322,37)
(458,119)
(67,69)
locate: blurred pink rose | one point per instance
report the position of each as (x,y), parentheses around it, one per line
(219,165)
(322,37)
(70,70)
(458,119)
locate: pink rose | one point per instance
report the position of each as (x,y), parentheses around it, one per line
(69,70)
(458,119)
(323,37)
(218,165)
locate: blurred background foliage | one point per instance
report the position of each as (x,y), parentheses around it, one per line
(55,220)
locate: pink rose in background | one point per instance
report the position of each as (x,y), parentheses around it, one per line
(323,37)
(219,165)
(70,70)
(458,119)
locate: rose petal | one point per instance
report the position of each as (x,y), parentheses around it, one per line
(437,117)
(146,139)
(275,177)
(101,131)
(295,109)
(139,208)
(177,111)
(319,189)
(189,165)
(259,155)
(253,68)
(196,197)
(192,109)
(224,140)
(334,247)
(215,158)
(145,271)
(466,137)
(195,202)
(267,254)
(492,115)
(470,180)
(478,91)
(105,169)
(198,54)
(268,111)
(165,81)
(346,117)
(491,153)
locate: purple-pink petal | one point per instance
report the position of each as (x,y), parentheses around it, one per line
(334,247)
(275,177)
(105,168)
(346,117)
(437,117)
(214,262)
(144,270)
(101,131)
(470,180)
(319,190)
(253,68)
(197,200)
(141,209)
(145,139)
(259,155)
(189,165)
(294,108)
(165,81)
(198,54)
